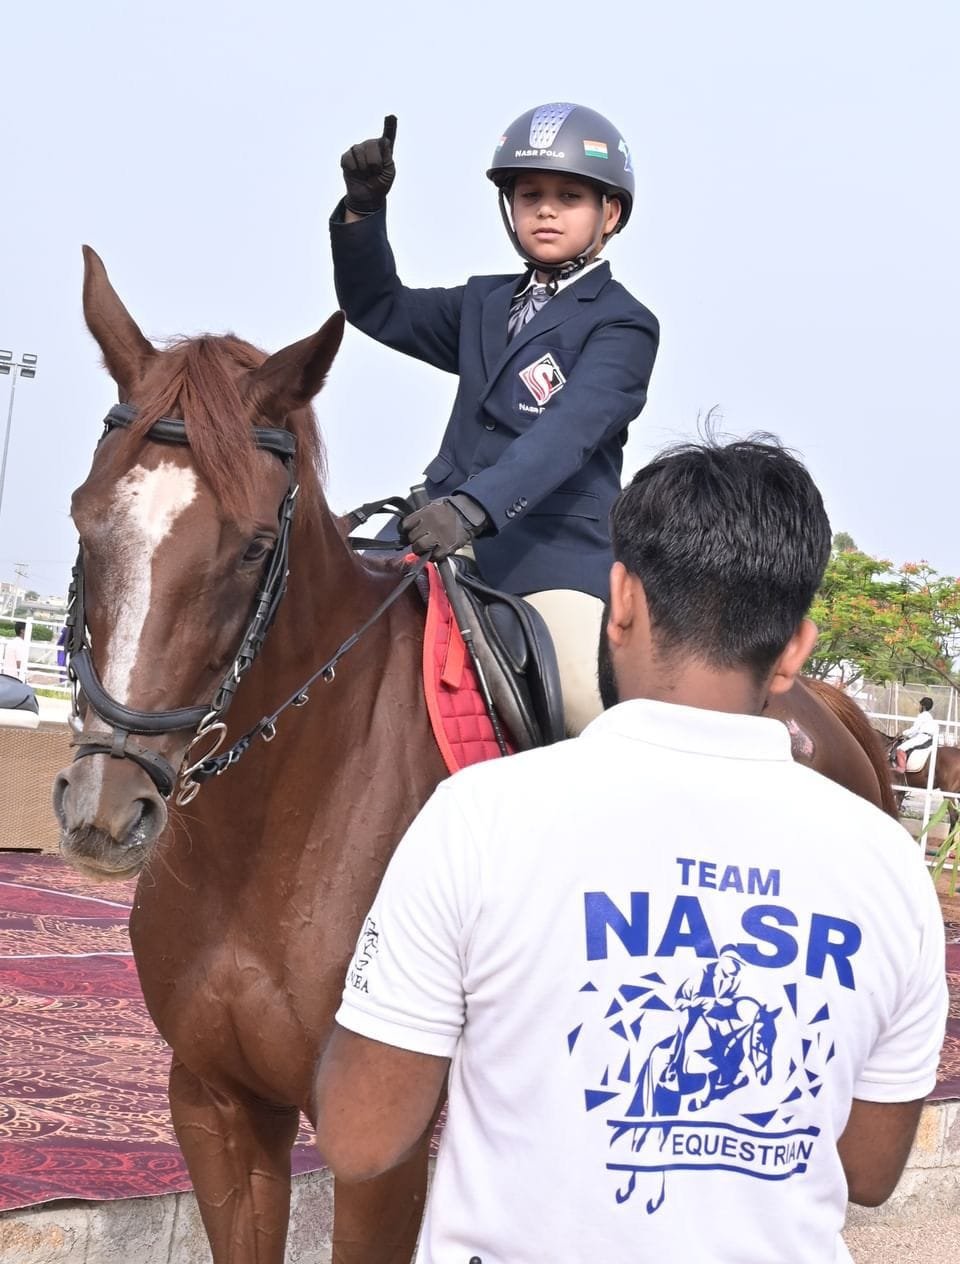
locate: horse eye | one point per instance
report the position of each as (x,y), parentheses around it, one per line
(257,549)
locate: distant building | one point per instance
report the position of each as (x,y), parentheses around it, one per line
(50,609)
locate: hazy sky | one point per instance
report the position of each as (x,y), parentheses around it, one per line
(795,229)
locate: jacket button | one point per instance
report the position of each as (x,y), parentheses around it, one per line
(489,425)
(522,502)
(511,512)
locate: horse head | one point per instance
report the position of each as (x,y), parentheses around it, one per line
(178,519)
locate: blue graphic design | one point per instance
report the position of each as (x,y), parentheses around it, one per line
(708,1072)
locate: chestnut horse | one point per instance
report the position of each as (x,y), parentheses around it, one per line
(250,900)
(946,776)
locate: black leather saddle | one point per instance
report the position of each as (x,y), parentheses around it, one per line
(511,640)
(16,696)
(516,654)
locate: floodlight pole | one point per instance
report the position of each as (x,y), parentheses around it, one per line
(9,365)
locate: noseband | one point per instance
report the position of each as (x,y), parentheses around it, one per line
(206,720)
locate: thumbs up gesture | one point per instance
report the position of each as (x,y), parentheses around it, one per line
(368,170)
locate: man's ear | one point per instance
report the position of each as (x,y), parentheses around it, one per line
(793,656)
(621,604)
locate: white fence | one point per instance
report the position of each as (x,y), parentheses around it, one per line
(894,701)
(947,730)
(42,669)
(879,702)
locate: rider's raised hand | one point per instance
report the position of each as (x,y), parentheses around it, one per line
(368,170)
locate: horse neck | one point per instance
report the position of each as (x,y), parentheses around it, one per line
(343,739)
(330,594)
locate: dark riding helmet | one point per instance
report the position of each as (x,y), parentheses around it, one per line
(569,140)
(926,704)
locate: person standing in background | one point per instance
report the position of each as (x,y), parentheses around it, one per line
(14,662)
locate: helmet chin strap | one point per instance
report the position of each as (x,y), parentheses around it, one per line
(557,272)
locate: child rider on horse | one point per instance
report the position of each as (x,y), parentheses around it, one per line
(553,366)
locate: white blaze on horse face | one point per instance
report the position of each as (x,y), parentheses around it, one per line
(146,506)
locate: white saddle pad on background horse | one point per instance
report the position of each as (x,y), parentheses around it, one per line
(917,759)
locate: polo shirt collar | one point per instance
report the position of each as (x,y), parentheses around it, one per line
(694,730)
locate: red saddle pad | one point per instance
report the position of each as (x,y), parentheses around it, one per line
(461,725)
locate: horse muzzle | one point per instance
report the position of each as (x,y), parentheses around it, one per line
(111,815)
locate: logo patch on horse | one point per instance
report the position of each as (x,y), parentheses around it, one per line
(543,378)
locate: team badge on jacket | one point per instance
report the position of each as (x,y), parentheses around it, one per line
(543,378)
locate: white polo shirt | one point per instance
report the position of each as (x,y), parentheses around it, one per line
(924,726)
(14,652)
(663,958)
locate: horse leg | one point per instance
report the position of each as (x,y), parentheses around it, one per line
(238,1155)
(376,1222)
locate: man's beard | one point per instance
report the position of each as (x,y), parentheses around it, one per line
(609,694)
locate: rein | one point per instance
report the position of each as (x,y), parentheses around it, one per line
(208,720)
(216,765)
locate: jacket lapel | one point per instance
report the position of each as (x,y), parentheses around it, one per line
(493,322)
(554,313)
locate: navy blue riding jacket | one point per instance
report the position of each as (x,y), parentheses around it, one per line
(538,425)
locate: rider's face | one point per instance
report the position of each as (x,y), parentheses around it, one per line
(556,216)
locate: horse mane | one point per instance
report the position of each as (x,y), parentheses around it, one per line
(201,380)
(855,722)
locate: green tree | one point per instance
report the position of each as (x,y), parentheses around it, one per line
(881,622)
(843,542)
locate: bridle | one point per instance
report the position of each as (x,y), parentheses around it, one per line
(207,720)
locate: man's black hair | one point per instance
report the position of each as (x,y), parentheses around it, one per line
(19,628)
(730,541)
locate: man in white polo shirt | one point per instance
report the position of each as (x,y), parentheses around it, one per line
(689,994)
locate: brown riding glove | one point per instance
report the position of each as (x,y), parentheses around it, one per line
(444,526)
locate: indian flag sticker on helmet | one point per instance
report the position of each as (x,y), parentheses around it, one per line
(595,149)
(501,142)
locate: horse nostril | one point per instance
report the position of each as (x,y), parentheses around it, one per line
(146,822)
(61,782)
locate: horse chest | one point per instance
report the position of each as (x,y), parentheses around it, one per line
(229,1013)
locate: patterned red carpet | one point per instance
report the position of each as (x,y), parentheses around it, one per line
(83,1110)
(83,1107)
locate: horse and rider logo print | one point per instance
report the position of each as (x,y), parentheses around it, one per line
(543,378)
(703,1070)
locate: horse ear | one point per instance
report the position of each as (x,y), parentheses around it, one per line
(126,352)
(290,378)
(772,1013)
